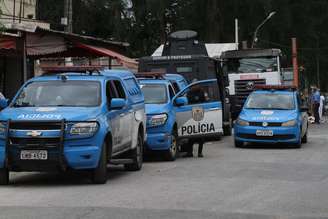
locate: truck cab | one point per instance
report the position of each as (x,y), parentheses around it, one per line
(249,68)
(73,120)
(272,114)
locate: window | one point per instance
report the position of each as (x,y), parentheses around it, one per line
(172,94)
(176,86)
(154,93)
(270,101)
(202,93)
(59,93)
(120,89)
(183,69)
(133,87)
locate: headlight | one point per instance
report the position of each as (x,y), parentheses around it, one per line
(289,123)
(242,122)
(157,120)
(84,128)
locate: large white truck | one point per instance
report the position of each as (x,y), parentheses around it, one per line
(248,68)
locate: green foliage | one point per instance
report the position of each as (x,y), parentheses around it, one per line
(146,24)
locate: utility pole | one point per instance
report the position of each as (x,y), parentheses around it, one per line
(318,63)
(68,14)
(295,64)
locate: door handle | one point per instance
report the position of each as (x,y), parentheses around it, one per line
(130,111)
(122,114)
(214,108)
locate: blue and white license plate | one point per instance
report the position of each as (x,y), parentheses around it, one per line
(34,155)
(264,133)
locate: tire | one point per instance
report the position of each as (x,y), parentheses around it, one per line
(99,175)
(239,144)
(297,144)
(305,138)
(172,153)
(4,176)
(136,155)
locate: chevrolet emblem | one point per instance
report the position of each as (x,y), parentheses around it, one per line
(34,133)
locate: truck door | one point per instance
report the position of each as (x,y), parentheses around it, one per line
(118,118)
(113,116)
(201,116)
(125,116)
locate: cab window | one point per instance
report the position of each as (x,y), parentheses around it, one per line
(172,93)
(120,89)
(114,89)
(176,86)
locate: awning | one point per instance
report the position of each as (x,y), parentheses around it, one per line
(7,42)
(44,44)
(121,59)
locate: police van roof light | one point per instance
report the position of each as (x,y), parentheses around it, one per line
(48,70)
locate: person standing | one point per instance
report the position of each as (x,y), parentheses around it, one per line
(316,104)
(195,96)
(322,102)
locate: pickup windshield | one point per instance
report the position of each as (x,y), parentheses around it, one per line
(252,65)
(270,101)
(154,93)
(59,93)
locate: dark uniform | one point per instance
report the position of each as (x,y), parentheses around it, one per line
(197,95)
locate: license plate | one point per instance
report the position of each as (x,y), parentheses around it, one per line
(34,155)
(264,133)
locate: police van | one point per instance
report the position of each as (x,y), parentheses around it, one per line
(272,114)
(73,120)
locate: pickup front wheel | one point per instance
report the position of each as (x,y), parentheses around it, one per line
(99,175)
(172,152)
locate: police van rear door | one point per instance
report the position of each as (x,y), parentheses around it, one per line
(201,116)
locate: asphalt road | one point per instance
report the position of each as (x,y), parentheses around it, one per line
(259,182)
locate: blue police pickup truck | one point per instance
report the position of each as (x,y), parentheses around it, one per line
(193,112)
(74,120)
(272,114)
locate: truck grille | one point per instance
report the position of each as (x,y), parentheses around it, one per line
(244,87)
(31,142)
(275,137)
(270,124)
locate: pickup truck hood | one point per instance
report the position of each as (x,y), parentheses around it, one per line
(50,113)
(252,115)
(156,108)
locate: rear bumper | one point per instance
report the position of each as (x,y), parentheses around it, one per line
(280,134)
(159,141)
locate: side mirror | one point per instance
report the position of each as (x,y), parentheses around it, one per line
(181,101)
(3,103)
(304,108)
(117,103)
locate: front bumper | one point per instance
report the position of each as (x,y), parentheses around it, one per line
(84,157)
(280,134)
(159,141)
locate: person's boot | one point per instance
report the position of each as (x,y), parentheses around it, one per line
(200,150)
